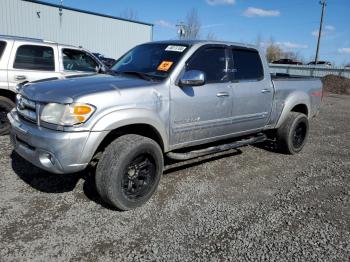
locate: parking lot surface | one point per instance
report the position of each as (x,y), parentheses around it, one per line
(250,204)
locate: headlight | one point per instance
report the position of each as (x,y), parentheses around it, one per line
(66,115)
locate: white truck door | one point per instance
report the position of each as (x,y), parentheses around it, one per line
(5,47)
(31,62)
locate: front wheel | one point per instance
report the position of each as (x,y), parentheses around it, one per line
(293,133)
(129,171)
(6,106)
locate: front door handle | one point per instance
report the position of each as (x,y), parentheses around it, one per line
(20,77)
(222,94)
(264,91)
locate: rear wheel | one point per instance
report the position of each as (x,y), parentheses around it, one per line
(293,133)
(6,106)
(129,171)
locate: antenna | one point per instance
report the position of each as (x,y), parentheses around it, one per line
(182,30)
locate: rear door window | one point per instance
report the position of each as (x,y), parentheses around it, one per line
(247,64)
(76,60)
(212,61)
(33,57)
(2,48)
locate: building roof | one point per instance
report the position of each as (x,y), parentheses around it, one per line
(86,12)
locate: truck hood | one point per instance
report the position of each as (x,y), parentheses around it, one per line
(68,90)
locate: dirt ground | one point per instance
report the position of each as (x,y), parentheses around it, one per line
(336,84)
(252,204)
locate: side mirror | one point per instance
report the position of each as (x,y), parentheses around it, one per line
(100,69)
(193,78)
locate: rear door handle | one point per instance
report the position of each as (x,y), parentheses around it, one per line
(20,77)
(222,94)
(264,91)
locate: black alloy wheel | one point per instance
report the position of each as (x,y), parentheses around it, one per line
(299,135)
(139,177)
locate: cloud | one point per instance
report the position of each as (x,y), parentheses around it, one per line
(330,27)
(163,23)
(258,12)
(328,30)
(290,45)
(345,50)
(211,25)
(221,2)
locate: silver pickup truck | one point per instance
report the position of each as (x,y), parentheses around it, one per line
(171,98)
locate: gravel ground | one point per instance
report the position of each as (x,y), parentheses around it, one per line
(251,204)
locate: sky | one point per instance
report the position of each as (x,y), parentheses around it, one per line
(292,24)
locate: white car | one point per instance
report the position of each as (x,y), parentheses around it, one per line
(25,60)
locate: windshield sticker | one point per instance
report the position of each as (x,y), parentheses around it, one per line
(175,48)
(165,66)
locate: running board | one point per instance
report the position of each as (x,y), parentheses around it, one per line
(216,149)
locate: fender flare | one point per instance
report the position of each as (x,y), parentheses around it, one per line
(126,117)
(294,99)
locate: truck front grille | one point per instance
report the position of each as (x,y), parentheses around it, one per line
(27,109)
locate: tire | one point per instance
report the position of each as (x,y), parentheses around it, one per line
(293,133)
(129,171)
(6,106)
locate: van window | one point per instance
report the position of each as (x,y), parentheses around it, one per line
(76,60)
(2,48)
(34,57)
(247,64)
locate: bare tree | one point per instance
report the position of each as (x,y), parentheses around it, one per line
(292,55)
(129,13)
(273,51)
(192,26)
(211,36)
(259,41)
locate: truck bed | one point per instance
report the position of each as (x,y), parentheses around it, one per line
(281,76)
(289,88)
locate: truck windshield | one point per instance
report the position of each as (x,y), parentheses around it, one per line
(150,61)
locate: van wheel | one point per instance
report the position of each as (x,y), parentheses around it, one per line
(129,171)
(6,106)
(293,133)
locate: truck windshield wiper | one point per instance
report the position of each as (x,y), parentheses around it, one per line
(141,75)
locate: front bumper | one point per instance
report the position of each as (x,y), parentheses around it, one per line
(54,151)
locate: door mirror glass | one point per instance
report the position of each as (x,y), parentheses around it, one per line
(100,69)
(193,78)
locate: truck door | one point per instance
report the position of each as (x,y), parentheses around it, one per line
(3,65)
(252,90)
(201,112)
(32,62)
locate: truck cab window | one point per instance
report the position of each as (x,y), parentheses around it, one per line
(76,60)
(211,61)
(247,65)
(34,57)
(2,47)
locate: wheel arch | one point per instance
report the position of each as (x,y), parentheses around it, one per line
(8,94)
(136,129)
(297,102)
